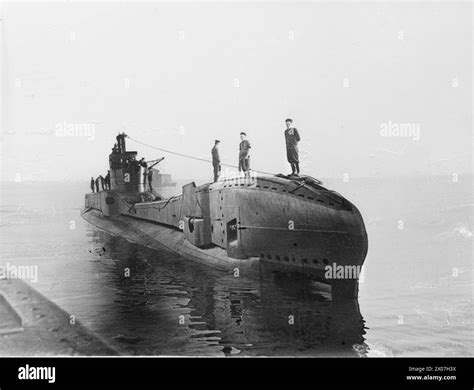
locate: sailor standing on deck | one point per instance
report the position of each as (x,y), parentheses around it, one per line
(150,178)
(144,166)
(244,155)
(92,184)
(107,180)
(216,160)
(102,182)
(292,137)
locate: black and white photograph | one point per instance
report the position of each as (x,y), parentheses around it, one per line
(214,180)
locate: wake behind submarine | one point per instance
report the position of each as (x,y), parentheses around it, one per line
(284,223)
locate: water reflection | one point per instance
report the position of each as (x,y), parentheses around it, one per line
(162,304)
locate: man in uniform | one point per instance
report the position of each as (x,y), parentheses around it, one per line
(292,137)
(92,184)
(150,178)
(107,180)
(216,160)
(134,164)
(102,182)
(244,155)
(143,163)
(144,166)
(97,181)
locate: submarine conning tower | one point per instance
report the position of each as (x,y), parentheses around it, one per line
(124,167)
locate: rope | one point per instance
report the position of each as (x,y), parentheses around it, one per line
(131,206)
(167,202)
(193,157)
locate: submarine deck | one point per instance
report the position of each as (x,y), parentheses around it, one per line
(161,237)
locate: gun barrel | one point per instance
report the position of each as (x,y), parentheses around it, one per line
(158,160)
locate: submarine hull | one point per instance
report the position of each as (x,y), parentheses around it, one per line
(159,237)
(290,225)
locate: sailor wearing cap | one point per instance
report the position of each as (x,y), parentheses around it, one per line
(244,155)
(216,160)
(292,137)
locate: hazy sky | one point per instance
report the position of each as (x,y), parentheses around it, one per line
(180,75)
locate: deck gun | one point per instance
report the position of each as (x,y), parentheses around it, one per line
(155,162)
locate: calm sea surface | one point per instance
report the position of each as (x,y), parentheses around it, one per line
(416,294)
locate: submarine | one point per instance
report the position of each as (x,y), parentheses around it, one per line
(289,224)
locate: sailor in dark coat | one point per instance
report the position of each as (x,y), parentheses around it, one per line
(292,137)
(216,160)
(92,184)
(97,181)
(150,178)
(107,180)
(143,163)
(102,182)
(244,155)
